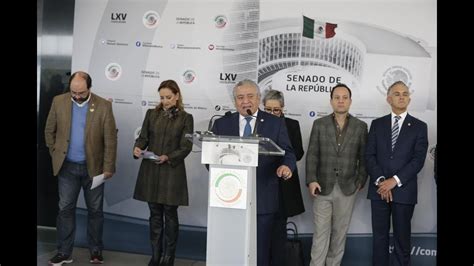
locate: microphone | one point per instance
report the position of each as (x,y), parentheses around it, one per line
(254,133)
(209,127)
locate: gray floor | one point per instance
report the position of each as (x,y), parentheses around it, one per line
(46,249)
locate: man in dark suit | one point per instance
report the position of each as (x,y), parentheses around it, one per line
(291,203)
(395,153)
(335,171)
(270,168)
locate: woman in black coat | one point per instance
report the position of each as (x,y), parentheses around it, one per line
(291,200)
(162,179)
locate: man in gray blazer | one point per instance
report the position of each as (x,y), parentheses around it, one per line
(81,135)
(335,171)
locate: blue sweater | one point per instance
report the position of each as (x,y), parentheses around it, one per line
(76,150)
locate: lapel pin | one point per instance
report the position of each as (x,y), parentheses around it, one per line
(261,120)
(92,108)
(409,124)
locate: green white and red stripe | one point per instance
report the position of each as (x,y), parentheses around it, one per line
(320,29)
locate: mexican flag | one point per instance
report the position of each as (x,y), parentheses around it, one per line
(313,28)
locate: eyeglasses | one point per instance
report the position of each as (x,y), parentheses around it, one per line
(275,110)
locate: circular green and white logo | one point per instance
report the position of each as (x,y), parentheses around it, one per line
(228,187)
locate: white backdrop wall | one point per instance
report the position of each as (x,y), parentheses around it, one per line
(129,47)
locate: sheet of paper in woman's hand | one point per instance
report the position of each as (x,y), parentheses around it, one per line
(150,156)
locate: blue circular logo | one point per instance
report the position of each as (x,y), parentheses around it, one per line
(312,113)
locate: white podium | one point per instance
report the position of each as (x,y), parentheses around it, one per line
(232,204)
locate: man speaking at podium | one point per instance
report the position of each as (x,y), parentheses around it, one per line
(270,168)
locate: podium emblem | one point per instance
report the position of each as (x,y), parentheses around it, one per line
(228,188)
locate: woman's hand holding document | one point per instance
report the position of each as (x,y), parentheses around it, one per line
(149,155)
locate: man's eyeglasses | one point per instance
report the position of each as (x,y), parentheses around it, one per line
(275,110)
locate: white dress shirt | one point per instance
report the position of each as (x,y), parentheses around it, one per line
(400,123)
(243,122)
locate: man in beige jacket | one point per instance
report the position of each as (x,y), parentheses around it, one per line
(81,136)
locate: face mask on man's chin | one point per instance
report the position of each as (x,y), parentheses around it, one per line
(80,100)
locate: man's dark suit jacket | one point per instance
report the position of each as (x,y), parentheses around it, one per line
(291,190)
(272,127)
(405,161)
